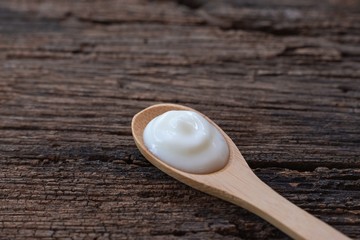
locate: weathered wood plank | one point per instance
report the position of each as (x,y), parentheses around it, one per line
(280,77)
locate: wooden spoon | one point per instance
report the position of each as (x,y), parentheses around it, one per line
(237,183)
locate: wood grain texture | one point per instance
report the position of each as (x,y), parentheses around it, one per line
(280,77)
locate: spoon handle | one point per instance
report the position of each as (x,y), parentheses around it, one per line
(254,195)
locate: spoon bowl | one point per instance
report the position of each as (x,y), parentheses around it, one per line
(238,184)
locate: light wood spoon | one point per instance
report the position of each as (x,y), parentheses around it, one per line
(237,183)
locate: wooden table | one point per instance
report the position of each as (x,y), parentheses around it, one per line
(282,78)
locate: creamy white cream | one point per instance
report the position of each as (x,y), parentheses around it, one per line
(186,141)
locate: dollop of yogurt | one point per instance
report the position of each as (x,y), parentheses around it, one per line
(186,141)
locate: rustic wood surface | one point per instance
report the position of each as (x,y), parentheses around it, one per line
(282,78)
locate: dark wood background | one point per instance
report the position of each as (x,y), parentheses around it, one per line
(282,78)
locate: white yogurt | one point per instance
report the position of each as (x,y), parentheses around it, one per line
(186,141)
